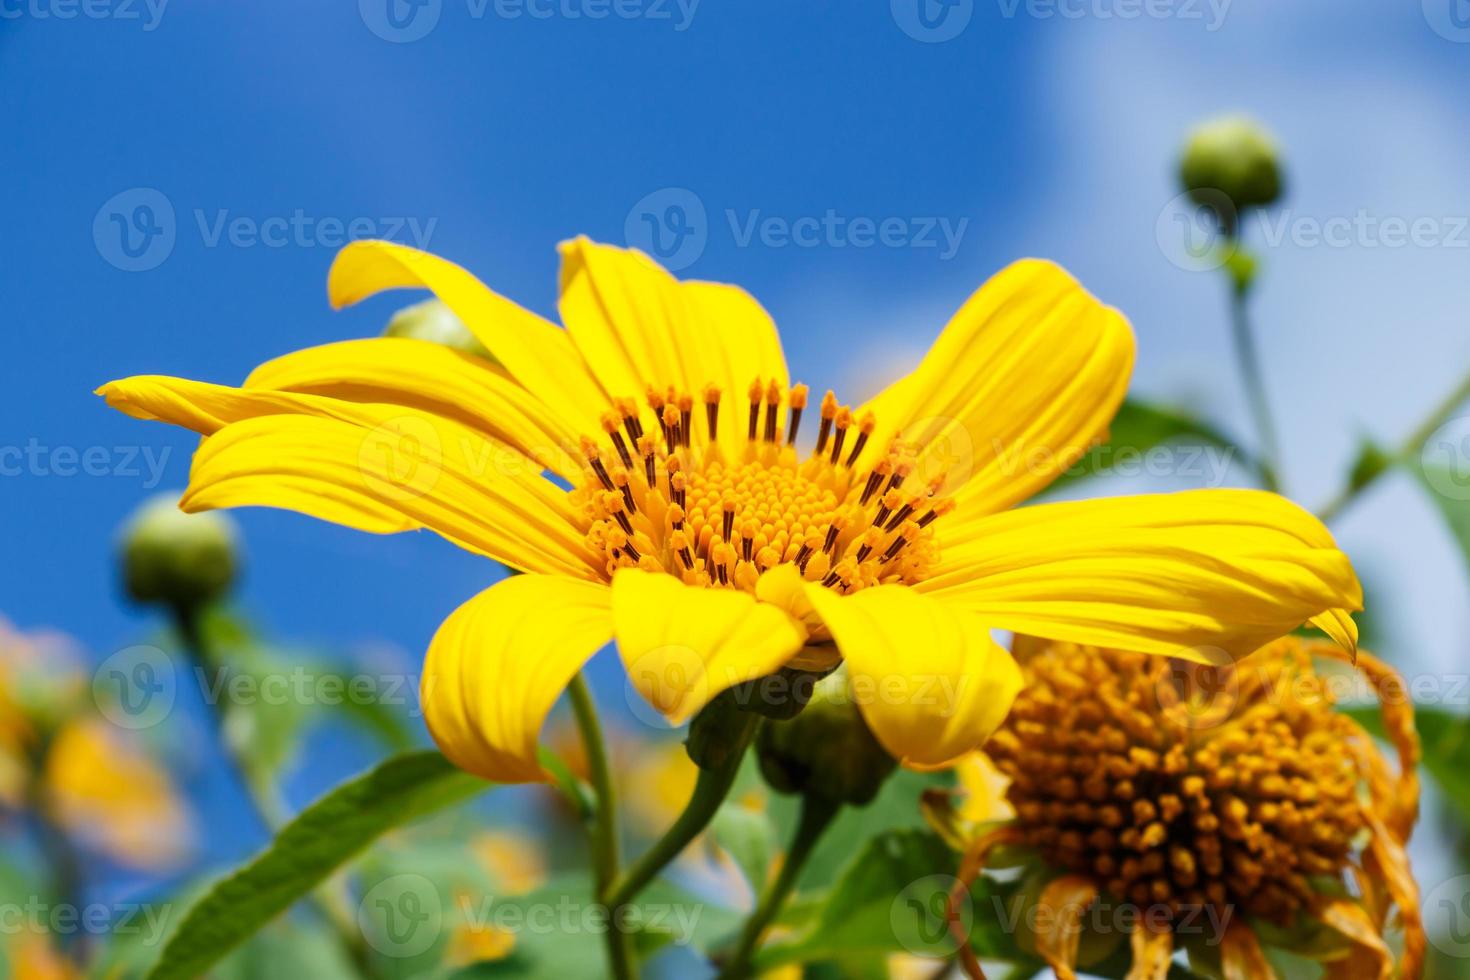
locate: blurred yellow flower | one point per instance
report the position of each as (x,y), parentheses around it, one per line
(58,753)
(514,860)
(114,797)
(657,783)
(476,942)
(34,956)
(685,524)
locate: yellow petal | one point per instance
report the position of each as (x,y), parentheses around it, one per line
(499,662)
(1024,378)
(109,793)
(535,351)
(1059,927)
(682,644)
(1153,950)
(637,326)
(1372,957)
(927,676)
(1241,957)
(984,788)
(409,471)
(206,408)
(1165,573)
(431,378)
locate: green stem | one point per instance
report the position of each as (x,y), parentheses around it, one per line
(710,789)
(1412,443)
(816,816)
(1248,360)
(604,835)
(333,903)
(60,853)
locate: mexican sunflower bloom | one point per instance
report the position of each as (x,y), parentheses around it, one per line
(661,482)
(1227,808)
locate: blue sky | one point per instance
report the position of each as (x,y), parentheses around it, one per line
(257,134)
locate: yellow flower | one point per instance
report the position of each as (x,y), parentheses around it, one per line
(93,779)
(114,797)
(33,955)
(514,860)
(684,521)
(1223,808)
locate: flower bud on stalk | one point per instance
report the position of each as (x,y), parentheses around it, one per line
(436,323)
(1230,164)
(826,752)
(176,559)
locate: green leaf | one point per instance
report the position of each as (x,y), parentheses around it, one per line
(1449,489)
(891,898)
(748,836)
(320,840)
(1372,461)
(896,807)
(1140,427)
(288,949)
(559,931)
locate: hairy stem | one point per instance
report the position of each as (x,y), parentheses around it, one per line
(1248,360)
(710,790)
(604,830)
(816,816)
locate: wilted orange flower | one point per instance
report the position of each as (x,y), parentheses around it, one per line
(1230,806)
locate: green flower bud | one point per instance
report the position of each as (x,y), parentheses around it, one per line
(1234,157)
(177,559)
(827,751)
(435,322)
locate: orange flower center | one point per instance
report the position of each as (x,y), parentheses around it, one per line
(1239,791)
(673,497)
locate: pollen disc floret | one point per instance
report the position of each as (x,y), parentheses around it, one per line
(1265,811)
(1111,781)
(717,497)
